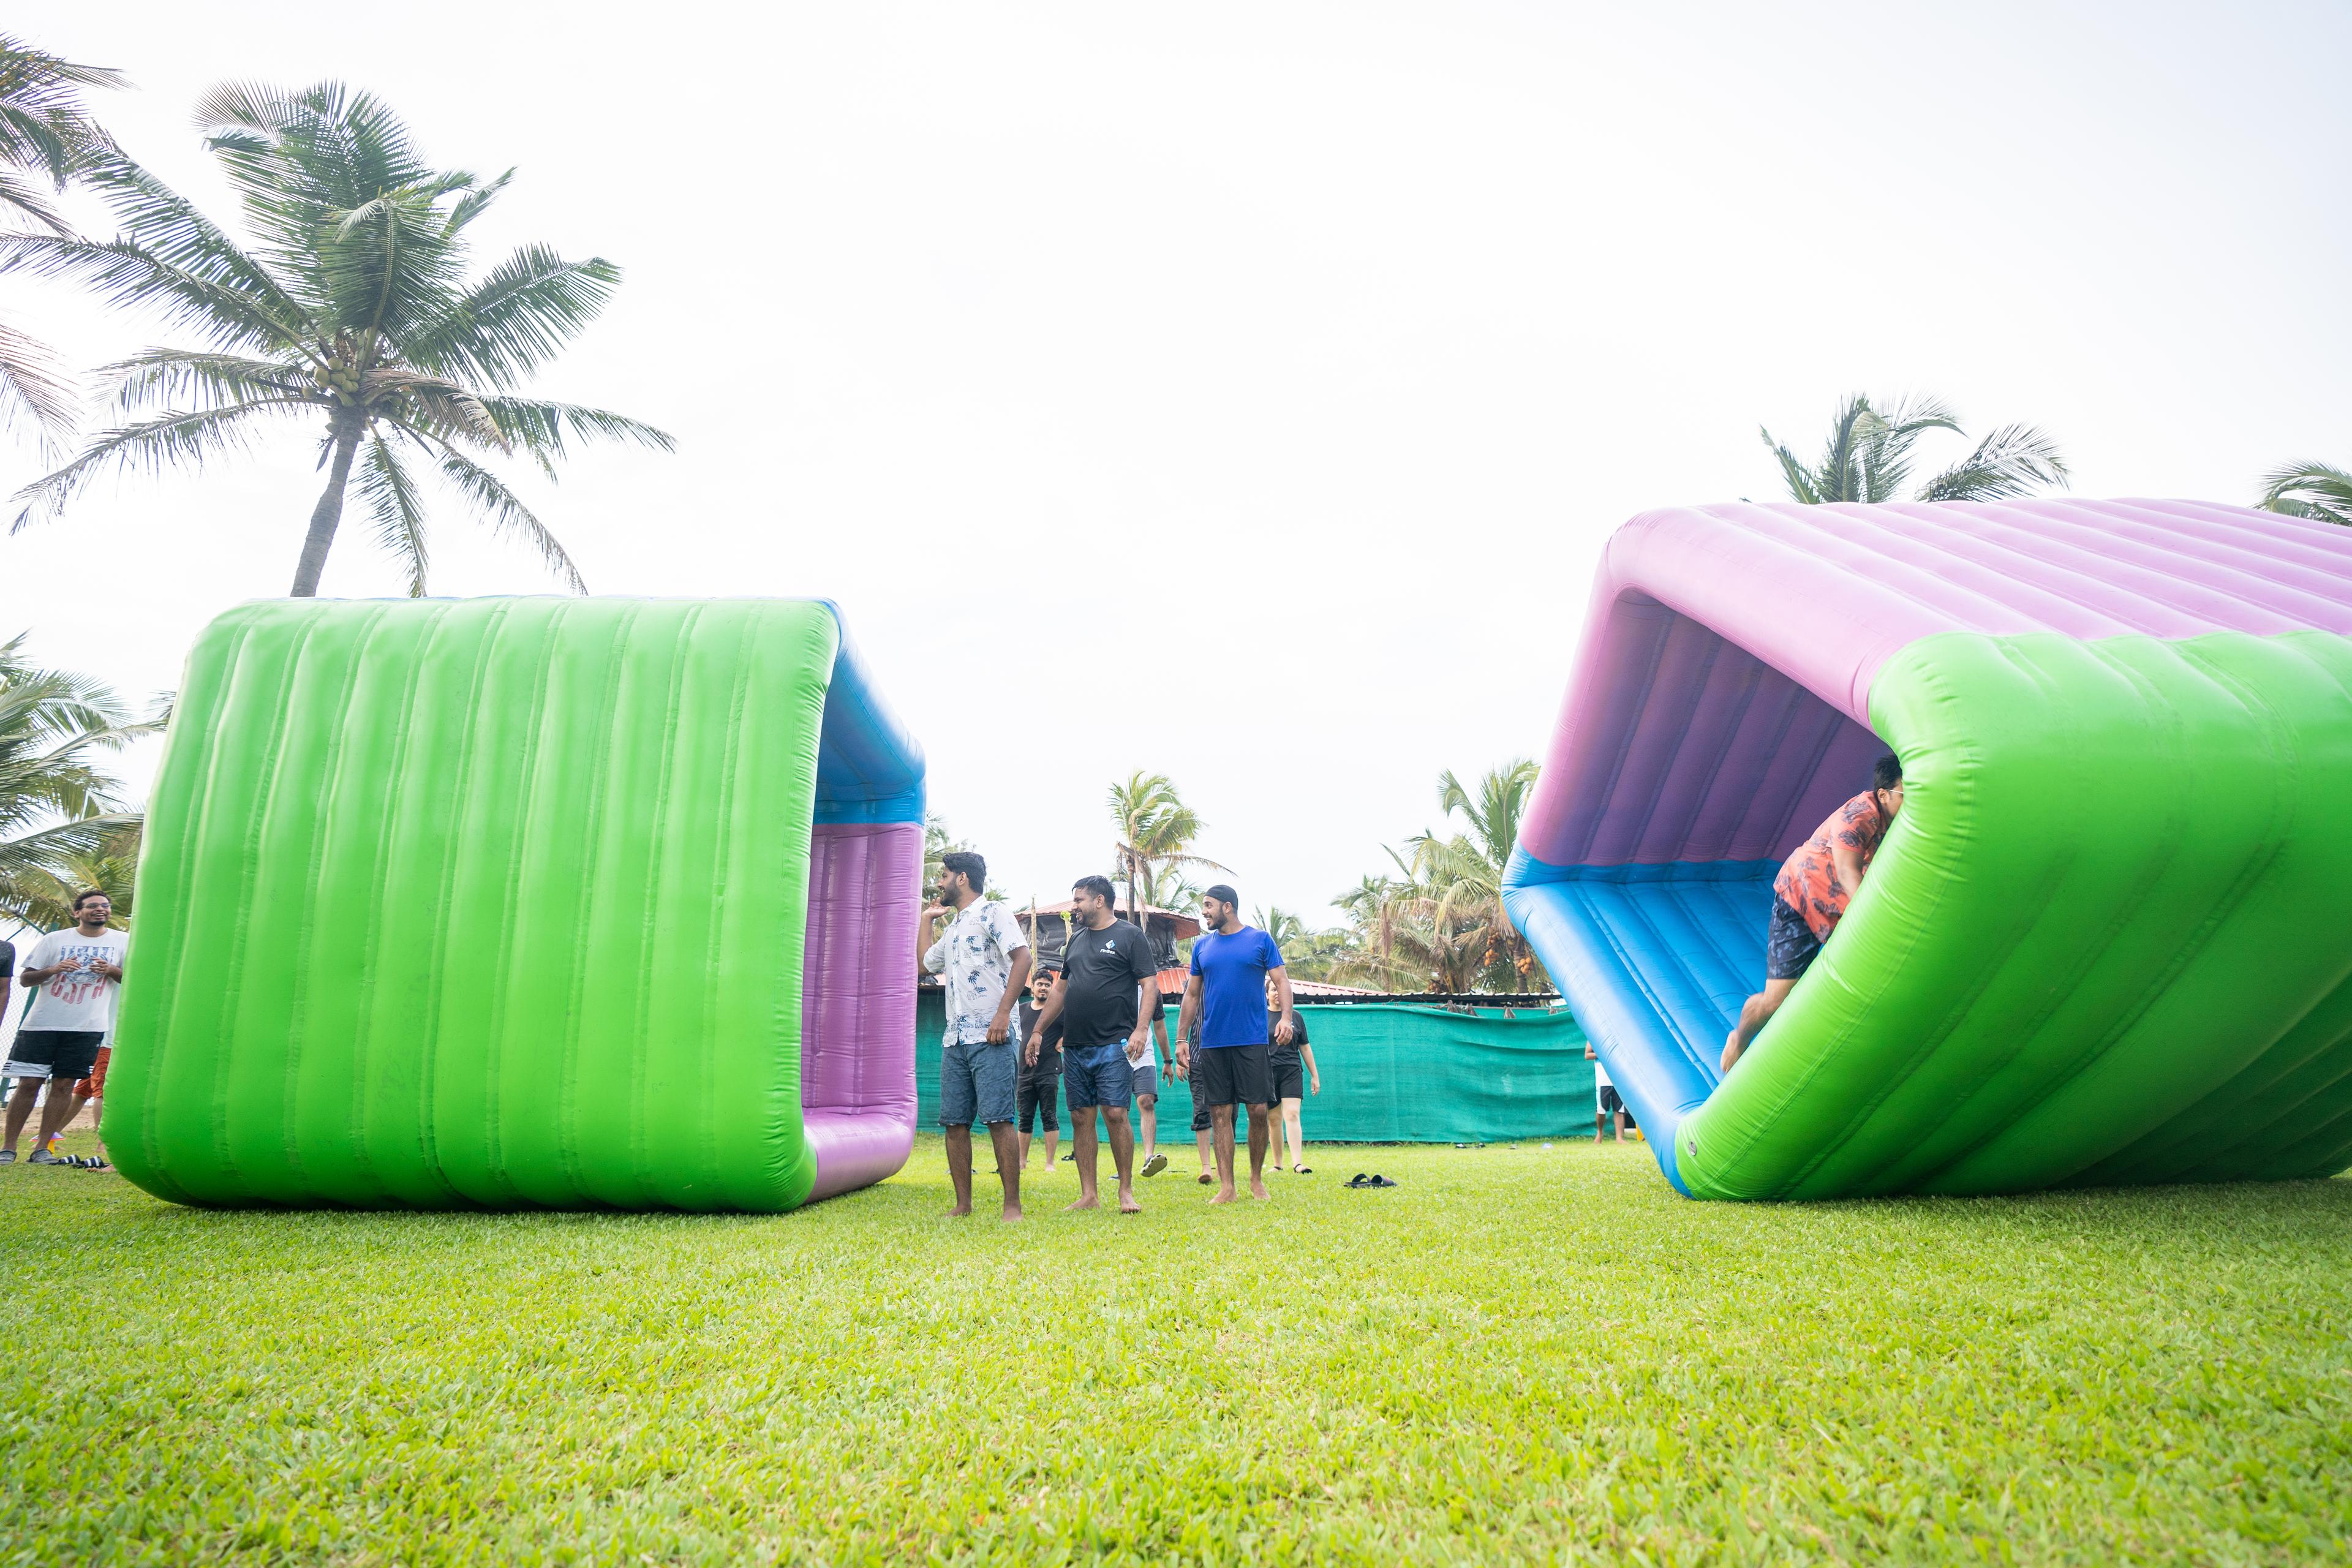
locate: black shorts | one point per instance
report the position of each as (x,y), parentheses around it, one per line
(1233,1075)
(53,1054)
(1289,1073)
(1610,1102)
(1790,944)
(1040,1095)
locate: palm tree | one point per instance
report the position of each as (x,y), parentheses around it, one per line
(1305,953)
(1868,458)
(349,306)
(938,845)
(1440,923)
(1463,875)
(56,803)
(45,133)
(1156,830)
(48,893)
(2310,489)
(1364,946)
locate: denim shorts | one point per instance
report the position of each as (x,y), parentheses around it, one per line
(976,1083)
(1098,1075)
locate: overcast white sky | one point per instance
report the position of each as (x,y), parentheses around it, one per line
(1243,391)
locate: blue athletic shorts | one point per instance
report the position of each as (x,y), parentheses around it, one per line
(977,1083)
(1099,1074)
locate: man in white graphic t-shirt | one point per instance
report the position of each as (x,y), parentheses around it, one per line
(79,973)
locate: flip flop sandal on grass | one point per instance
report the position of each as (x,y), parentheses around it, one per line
(1302,1170)
(1357,1180)
(1380,1182)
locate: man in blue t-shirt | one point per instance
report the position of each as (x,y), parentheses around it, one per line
(1232,965)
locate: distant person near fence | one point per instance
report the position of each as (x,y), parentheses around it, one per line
(1292,1067)
(1149,1160)
(1606,1100)
(1041,1081)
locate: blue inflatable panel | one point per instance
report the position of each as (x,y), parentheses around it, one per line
(1656,961)
(870,768)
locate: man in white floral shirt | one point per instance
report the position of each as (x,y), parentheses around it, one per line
(984,959)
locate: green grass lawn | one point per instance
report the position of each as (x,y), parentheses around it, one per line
(1518,1353)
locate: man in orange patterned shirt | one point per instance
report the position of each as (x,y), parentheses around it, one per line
(1811,892)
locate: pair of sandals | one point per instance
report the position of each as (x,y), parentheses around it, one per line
(71,1162)
(1361,1180)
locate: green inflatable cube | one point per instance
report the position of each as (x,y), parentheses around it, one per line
(524,902)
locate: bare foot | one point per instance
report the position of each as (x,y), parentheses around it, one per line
(1126,1204)
(1011,1213)
(1087,1201)
(962,1211)
(1258,1188)
(1222,1196)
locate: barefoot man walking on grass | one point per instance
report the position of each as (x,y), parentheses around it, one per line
(984,959)
(1233,967)
(1103,1005)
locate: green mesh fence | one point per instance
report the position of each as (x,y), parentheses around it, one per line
(1392,1073)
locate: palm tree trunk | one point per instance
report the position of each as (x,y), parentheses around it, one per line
(328,514)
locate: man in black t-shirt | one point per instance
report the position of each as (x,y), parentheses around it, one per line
(1100,1003)
(1041,1081)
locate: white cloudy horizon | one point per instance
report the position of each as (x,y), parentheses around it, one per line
(1243,393)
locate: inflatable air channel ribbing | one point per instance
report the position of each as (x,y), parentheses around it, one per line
(524,902)
(2104,941)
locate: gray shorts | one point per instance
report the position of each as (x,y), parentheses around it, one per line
(1147,1082)
(978,1083)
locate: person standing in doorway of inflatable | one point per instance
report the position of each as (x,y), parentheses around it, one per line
(1810,894)
(1230,966)
(984,959)
(1102,1003)
(1605,1097)
(79,971)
